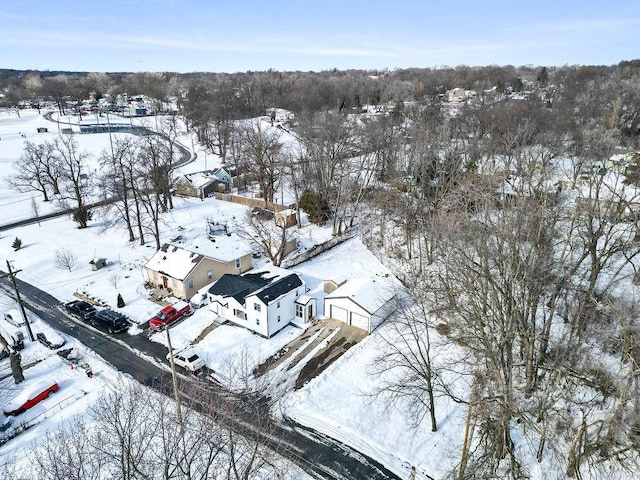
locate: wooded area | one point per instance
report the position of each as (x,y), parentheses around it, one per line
(502,215)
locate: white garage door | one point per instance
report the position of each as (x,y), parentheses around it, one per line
(339,314)
(360,321)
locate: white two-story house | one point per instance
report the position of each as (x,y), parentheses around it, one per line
(263,302)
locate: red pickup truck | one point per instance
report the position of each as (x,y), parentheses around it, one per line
(169,314)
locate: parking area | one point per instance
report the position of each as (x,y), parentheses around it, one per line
(341,337)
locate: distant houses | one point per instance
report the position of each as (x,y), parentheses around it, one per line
(204,184)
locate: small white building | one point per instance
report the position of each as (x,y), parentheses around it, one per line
(361,302)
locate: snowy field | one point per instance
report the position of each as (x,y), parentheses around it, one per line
(356,418)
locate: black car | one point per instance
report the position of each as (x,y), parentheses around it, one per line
(51,340)
(111,321)
(81,309)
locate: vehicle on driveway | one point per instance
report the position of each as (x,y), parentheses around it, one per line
(168,315)
(81,309)
(31,396)
(188,360)
(51,339)
(111,321)
(14,317)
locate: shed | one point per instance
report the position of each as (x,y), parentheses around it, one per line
(98,263)
(362,302)
(286,218)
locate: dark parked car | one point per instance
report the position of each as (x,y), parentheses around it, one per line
(111,321)
(51,340)
(81,309)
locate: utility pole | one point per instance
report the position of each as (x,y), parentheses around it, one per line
(12,276)
(174,376)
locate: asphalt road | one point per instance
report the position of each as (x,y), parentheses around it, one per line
(185,156)
(320,456)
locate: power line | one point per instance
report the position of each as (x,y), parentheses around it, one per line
(12,276)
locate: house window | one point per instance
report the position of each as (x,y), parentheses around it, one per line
(299,309)
(257,321)
(174,282)
(237,263)
(240,314)
(278,305)
(209,274)
(278,318)
(257,307)
(190,284)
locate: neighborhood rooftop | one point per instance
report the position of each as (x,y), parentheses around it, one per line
(370,293)
(224,248)
(267,285)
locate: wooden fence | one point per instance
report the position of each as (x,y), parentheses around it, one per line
(252,202)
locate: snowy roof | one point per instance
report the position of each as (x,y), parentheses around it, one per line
(178,260)
(303,299)
(224,248)
(369,293)
(267,285)
(200,179)
(173,261)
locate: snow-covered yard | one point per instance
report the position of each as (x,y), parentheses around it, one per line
(338,402)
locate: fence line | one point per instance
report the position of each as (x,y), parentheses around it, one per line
(315,250)
(252,202)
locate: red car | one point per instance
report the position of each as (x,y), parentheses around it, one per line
(30,396)
(169,314)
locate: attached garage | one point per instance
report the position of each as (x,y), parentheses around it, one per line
(362,302)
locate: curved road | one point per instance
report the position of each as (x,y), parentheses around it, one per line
(320,456)
(186,156)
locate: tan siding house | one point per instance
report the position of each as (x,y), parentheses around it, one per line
(182,269)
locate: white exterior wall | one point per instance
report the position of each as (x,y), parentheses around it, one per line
(269,324)
(268,314)
(253,316)
(349,306)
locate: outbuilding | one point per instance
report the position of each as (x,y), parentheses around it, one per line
(361,302)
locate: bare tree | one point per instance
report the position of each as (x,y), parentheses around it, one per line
(35,209)
(65,259)
(37,170)
(329,143)
(406,361)
(73,170)
(262,147)
(271,234)
(119,181)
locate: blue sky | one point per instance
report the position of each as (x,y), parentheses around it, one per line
(225,36)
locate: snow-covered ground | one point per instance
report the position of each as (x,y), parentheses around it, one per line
(336,402)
